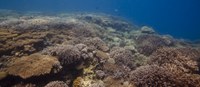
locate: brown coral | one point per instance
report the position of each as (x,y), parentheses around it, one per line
(183,58)
(96,43)
(66,54)
(56,84)
(123,57)
(33,65)
(153,76)
(147,44)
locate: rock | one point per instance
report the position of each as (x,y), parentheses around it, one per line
(147,30)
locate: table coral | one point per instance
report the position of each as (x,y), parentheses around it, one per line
(33,65)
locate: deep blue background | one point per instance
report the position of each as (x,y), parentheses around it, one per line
(179,18)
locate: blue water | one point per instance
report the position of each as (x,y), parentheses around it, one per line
(179,18)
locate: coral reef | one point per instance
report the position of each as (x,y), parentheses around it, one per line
(91,50)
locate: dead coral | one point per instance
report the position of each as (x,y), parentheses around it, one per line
(183,58)
(147,44)
(33,65)
(123,57)
(56,84)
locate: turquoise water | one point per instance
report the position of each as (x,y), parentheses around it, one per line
(179,18)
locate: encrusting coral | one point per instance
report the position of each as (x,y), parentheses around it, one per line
(33,65)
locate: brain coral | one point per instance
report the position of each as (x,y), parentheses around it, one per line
(183,59)
(33,65)
(56,84)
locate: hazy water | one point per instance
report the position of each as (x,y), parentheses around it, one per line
(179,18)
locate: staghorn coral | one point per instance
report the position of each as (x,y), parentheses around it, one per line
(56,84)
(123,57)
(185,59)
(33,65)
(147,44)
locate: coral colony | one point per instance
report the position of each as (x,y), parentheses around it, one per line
(91,50)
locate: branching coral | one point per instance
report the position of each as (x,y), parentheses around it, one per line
(33,65)
(123,57)
(66,54)
(147,44)
(78,55)
(118,72)
(56,84)
(183,58)
(96,43)
(153,76)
